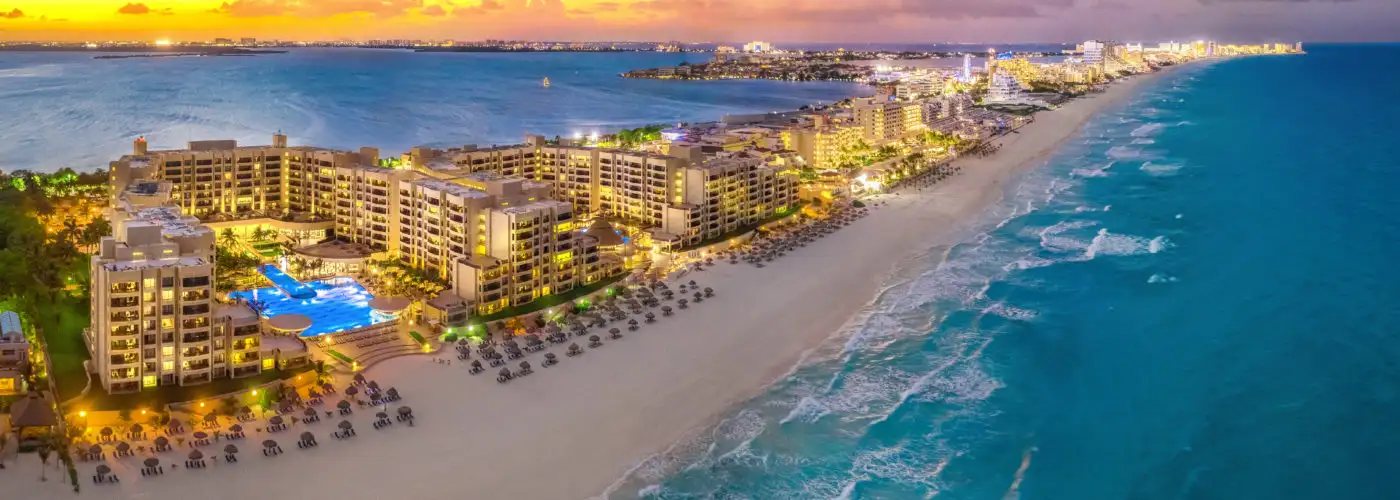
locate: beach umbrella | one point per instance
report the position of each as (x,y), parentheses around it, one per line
(103,469)
(277,420)
(373,385)
(327,387)
(196,455)
(106,431)
(136,428)
(307,436)
(245,410)
(230,449)
(345,424)
(351,391)
(174,423)
(392,392)
(381,415)
(310,412)
(404,410)
(269,444)
(200,435)
(235,428)
(162,441)
(151,462)
(210,417)
(359,377)
(95,449)
(344,405)
(123,447)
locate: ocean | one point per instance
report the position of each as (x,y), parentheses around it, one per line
(69,110)
(1187,301)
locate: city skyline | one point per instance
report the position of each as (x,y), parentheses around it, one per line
(802,21)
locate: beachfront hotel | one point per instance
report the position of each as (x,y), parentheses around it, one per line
(883,121)
(466,226)
(823,142)
(680,199)
(154,321)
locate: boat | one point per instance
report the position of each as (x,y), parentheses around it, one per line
(546,82)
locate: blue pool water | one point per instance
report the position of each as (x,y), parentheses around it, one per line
(1194,299)
(338,304)
(293,288)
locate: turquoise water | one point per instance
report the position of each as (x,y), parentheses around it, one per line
(286,283)
(1191,300)
(82,113)
(338,304)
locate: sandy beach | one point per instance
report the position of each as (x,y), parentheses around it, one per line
(572,430)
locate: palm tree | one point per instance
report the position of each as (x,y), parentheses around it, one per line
(227,238)
(44,451)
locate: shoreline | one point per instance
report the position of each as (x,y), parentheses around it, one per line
(582,428)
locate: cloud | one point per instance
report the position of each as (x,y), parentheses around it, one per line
(485,7)
(307,9)
(433,10)
(134,9)
(14,14)
(606,6)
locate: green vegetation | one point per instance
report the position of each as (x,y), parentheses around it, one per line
(417,337)
(338,355)
(234,269)
(96,399)
(631,138)
(43,274)
(858,204)
(393,277)
(551,300)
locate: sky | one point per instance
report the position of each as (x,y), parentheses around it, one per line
(779,21)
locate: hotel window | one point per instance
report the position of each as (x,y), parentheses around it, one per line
(148,381)
(148,282)
(167,295)
(167,351)
(167,323)
(167,366)
(268,363)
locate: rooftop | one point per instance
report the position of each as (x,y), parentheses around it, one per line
(450,188)
(138,265)
(172,223)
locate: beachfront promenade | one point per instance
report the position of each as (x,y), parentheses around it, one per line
(572,430)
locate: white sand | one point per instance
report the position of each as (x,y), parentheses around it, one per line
(571,430)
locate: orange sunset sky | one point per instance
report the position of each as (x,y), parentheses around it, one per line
(702,20)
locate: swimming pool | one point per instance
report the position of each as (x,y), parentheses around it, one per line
(339,304)
(286,282)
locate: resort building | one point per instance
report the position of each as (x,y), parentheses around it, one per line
(823,144)
(882,122)
(153,317)
(1094,52)
(647,190)
(1005,89)
(14,354)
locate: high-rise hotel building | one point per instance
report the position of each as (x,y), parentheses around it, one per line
(685,198)
(154,322)
(501,239)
